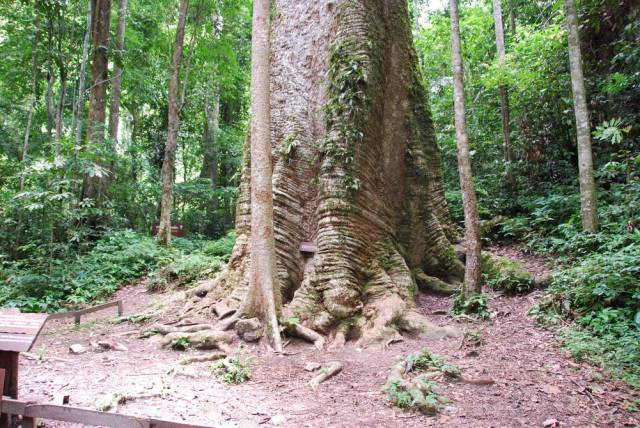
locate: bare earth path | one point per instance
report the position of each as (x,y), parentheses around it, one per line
(534,380)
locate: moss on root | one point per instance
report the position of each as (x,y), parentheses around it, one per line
(503,274)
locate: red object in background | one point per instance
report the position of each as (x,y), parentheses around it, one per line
(176,229)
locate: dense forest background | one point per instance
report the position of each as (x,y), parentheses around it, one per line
(59,248)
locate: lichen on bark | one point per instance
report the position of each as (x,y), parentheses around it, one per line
(364,182)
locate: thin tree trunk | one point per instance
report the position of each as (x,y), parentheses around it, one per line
(588,208)
(34,98)
(60,109)
(264,290)
(210,159)
(62,71)
(116,88)
(49,98)
(504,98)
(473,268)
(512,17)
(95,187)
(166,204)
(82,78)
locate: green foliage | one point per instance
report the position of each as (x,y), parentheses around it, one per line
(419,393)
(181,343)
(424,361)
(609,338)
(476,305)
(221,247)
(424,399)
(233,369)
(45,284)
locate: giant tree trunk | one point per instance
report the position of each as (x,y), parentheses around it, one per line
(588,209)
(166,204)
(116,87)
(473,269)
(356,173)
(94,187)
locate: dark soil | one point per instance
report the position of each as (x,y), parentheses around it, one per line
(535,381)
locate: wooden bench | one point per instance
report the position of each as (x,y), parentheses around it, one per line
(25,414)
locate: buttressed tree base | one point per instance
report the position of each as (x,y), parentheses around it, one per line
(357,171)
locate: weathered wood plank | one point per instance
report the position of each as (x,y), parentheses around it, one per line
(86,416)
(77,314)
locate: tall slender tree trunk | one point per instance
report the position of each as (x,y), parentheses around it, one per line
(504,99)
(473,268)
(95,187)
(166,204)
(264,298)
(51,114)
(60,109)
(210,158)
(79,108)
(34,96)
(588,207)
(62,74)
(512,17)
(116,86)
(357,191)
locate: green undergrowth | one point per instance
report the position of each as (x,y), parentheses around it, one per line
(47,284)
(594,297)
(475,306)
(417,390)
(234,369)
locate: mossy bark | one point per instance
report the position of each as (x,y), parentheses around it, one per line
(356,170)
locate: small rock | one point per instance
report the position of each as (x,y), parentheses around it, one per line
(310,367)
(450,410)
(278,419)
(551,423)
(77,349)
(249,330)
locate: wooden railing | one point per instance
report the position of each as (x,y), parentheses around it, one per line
(24,414)
(77,314)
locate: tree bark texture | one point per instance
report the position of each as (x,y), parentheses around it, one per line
(356,171)
(588,208)
(82,77)
(263,296)
(94,187)
(116,86)
(166,204)
(473,268)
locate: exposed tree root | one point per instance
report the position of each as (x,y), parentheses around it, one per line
(205,339)
(432,284)
(203,358)
(302,332)
(327,372)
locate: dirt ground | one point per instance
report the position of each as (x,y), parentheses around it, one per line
(535,381)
